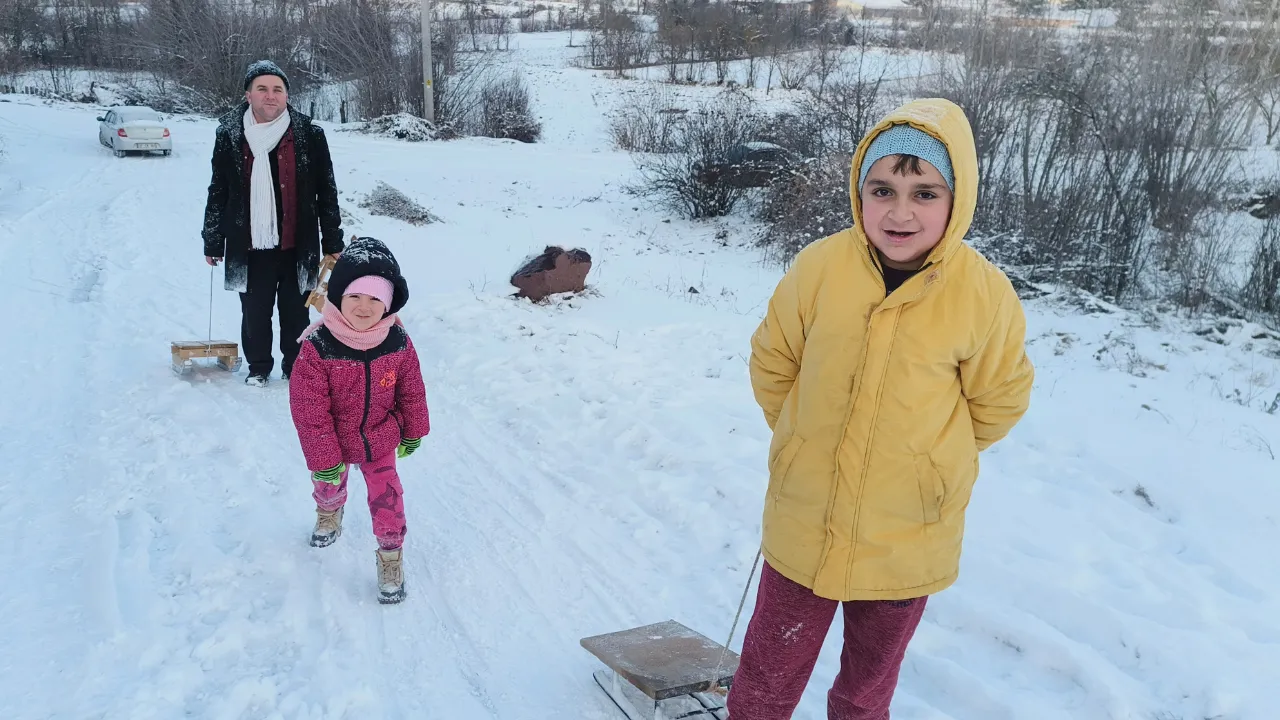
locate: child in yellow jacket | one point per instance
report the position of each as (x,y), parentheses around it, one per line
(892,353)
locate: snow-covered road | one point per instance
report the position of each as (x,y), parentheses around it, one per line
(595,464)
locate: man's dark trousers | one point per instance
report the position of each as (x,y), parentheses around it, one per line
(273,283)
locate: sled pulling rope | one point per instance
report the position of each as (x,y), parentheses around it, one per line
(741,603)
(666,671)
(225,352)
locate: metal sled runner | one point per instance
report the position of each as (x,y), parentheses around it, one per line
(664,671)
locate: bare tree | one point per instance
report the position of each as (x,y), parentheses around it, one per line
(1264,54)
(86,33)
(828,53)
(617,43)
(22,31)
(472,17)
(362,41)
(499,29)
(674,48)
(754,40)
(207,44)
(459,77)
(1266,99)
(721,38)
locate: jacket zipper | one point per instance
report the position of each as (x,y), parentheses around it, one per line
(368,383)
(844,434)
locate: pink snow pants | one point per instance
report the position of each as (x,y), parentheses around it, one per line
(784,638)
(386,499)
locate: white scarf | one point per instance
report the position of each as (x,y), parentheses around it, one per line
(263,138)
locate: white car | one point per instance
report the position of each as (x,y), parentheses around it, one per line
(134,128)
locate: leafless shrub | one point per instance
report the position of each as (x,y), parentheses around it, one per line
(1262,289)
(387,201)
(705,135)
(794,69)
(1195,271)
(807,207)
(826,127)
(1192,113)
(1260,61)
(1104,161)
(1075,202)
(402,126)
(833,116)
(646,124)
(505,111)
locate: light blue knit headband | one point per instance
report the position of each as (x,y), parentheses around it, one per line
(907,140)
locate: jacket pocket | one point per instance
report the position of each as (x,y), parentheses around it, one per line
(781,465)
(932,490)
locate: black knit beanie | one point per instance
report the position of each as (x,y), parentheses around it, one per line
(264,67)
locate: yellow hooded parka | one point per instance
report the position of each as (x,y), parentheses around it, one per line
(879,406)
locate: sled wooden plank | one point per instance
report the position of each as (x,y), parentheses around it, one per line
(316,297)
(664,660)
(202,344)
(187,349)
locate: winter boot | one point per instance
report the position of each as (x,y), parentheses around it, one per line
(390,576)
(328,527)
(256,381)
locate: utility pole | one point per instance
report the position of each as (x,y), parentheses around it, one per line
(428,92)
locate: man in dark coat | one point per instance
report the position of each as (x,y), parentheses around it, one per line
(272,211)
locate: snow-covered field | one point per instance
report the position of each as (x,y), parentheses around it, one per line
(595,464)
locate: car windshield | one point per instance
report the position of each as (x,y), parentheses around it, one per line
(131,114)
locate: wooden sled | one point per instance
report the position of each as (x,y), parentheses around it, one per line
(224,352)
(664,671)
(316,297)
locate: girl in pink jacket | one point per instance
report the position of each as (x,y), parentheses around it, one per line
(357,398)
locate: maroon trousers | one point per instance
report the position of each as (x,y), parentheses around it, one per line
(784,638)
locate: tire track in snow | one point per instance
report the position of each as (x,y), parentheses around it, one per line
(92,581)
(182,508)
(344,579)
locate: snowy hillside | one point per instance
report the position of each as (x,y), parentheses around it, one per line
(595,464)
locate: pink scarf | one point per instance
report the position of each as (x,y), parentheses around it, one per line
(332,318)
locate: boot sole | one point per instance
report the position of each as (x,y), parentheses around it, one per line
(319,542)
(391,598)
